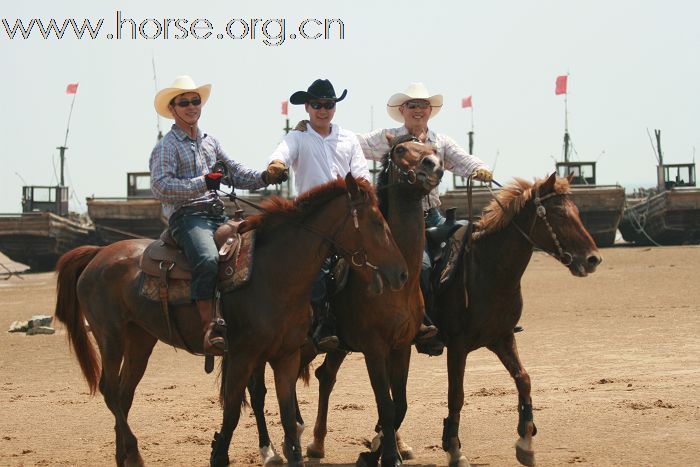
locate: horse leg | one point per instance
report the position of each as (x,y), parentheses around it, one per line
(138,345)
(257,390)
(326,375)
(456,361)
(235,374)
(507,351)
(286,370)
(400,362)
(112,352)
(379,375)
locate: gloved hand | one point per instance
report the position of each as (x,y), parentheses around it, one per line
(276,172)
(213,180)
(483,174)
(301,126)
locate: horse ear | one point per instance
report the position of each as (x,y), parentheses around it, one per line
(389,137)
(548,185)
(570,177)
(352,186)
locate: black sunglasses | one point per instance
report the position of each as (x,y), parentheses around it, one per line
(417,105)
(186,102)
(325,105)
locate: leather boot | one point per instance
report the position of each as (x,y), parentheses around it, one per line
(324,333)
(427,340)
(214,329)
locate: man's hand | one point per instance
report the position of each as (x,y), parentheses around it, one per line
(301,126)
(276,172)
(213,180)
(483,174)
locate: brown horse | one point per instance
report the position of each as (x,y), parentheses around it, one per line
(484,301)
(267,319)
(381,327)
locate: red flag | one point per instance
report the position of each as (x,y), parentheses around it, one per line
(72,88)
(561,85)
(285,108)
(466,102)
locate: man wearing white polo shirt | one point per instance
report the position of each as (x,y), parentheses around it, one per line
(319,155)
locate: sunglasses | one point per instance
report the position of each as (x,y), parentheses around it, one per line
(186,102)
(417,105)
(325,105)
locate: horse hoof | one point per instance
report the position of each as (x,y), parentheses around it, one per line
(461,462)
(315,451)
(524,452)
(270,457)
(367,459)
(134,460)
(395,462)
(219,461)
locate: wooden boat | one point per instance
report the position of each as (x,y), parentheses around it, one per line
(138,215)
(669,214)
(44,230)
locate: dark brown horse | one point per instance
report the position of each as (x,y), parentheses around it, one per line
(267,319)
(488,276)
(381,327)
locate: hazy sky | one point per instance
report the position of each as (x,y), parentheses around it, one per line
(633,65)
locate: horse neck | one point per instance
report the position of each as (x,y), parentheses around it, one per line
(407,223)
(501,257)
(296,251)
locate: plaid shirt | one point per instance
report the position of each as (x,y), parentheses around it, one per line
(178,165)
(456,159)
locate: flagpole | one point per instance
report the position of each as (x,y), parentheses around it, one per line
(566,121)
(62,149)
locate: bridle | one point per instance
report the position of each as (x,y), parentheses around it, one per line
(564,257)
(392,168)
(358,257)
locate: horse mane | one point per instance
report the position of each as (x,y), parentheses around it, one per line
(513,196)
(279,210)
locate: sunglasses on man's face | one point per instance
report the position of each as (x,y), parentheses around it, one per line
(325,105)
(186,102)
(417,105)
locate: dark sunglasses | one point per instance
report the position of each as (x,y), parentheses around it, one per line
(417,105)
(186,102)
(325,105)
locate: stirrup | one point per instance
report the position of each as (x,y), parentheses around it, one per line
(425,333)
(326,344)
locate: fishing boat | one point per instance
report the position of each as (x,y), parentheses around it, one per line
(668,214)
(138,215)
(44,230)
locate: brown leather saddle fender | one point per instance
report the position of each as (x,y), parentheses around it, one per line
(164,258)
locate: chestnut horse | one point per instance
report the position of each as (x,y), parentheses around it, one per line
(268,319)
(484,301)
(381,327)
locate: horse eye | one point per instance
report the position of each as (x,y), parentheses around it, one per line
(400,150)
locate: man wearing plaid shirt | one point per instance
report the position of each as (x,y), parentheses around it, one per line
(183,180)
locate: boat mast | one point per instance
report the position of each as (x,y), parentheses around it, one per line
(567,138)
(660,181)
(155,82)
(62,149)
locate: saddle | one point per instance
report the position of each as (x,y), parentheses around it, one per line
(446,243)
(437,237)
(164,260)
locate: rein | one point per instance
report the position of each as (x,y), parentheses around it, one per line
(564,257)
(358,257)
(403,176)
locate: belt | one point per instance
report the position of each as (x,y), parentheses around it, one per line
(215,209)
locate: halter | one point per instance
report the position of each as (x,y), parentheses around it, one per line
(358,258)
(564,257)
(404,176)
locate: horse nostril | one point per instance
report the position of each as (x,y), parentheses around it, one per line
(594,260)
(428,163)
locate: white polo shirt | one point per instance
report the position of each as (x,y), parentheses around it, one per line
(317,160)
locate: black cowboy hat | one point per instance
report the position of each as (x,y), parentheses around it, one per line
(319,89)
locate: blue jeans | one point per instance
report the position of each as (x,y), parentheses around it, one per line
(194,233)
(319,291)
(432,219)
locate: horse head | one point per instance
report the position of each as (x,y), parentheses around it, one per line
(372,251)
(412,161)
(545,215)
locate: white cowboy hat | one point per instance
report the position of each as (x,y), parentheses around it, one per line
(413,91)
(181,85)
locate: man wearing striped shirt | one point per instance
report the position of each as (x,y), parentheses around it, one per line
(183,180)
(414,107)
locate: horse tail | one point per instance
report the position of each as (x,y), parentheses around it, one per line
(222,386)
(68,311)
(305,373)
